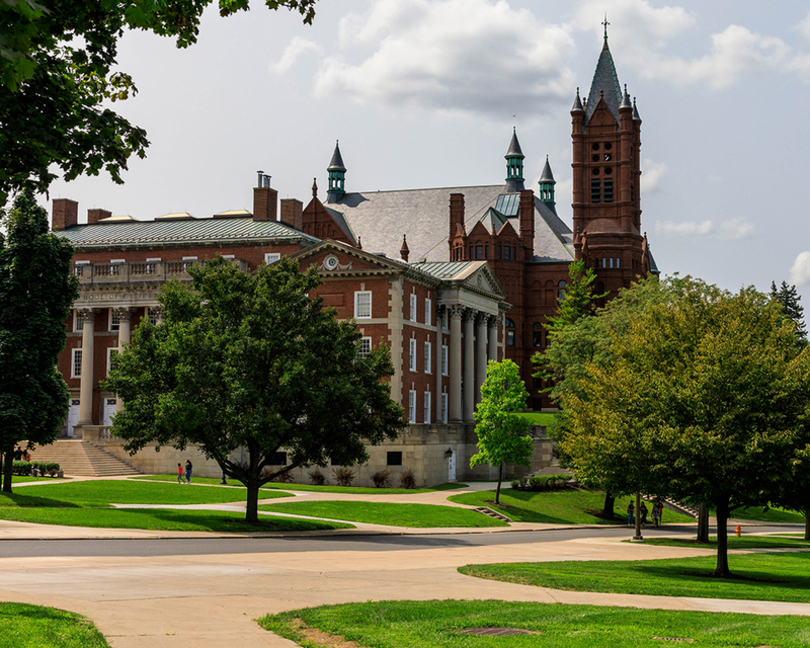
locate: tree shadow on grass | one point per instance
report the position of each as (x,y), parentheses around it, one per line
(521,514)
(14,500)
(222,522)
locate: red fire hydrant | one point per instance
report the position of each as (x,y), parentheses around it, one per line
(738,531)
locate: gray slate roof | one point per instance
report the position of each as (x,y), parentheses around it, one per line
(547,175)
(171,233)
(337,160)
(604,79)
(381,218)
(514,147)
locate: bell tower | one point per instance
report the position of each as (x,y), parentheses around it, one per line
(606,133)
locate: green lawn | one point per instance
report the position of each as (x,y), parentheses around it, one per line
(403,515)
(575,506)
(439,624)
(30,626)
(537,418)
(767,515)
(742,543)
(88,504)
(765,576)
(351,490)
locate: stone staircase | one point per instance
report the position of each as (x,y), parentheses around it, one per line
(82,459)
(491,513)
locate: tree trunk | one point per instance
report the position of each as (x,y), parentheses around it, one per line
(638,535)
(607,507)
(252,502)
(8,466)
(500,478)
(703,523)
(807,525)
(722,539)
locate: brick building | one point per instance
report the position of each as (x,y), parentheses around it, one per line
(448,278)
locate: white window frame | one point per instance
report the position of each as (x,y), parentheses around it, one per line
(412,406)
(412,354)
(362,310)
(445,363)
(426,408)
(152,314)
(428,357)
(76,363)
(365,347)
(114,321)
(413,307)
(443,413)
(271,257)
(228,256)
(428,311)
(77,321)
(110,351)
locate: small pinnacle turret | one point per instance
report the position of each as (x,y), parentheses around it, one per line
(514,165)
(546,185)
(337,176)
(577,103)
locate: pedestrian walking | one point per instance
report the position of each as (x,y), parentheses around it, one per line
(655,514)
(179,473)
(630,510)
(642,511)
(660,512)
(188,471)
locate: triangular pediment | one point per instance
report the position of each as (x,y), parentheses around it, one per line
(483,279)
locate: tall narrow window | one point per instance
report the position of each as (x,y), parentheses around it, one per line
(413,308)
(412,406)
(427,417)
(561,286)
(596,190)
(510,332)
(428,311)
(412,355)
(362,304)
(365,347)
(428,357)
(608,190)
(76,363)
(537,334)
(444,408)
(444,360)
(115,322)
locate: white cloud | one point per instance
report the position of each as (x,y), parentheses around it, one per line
(800,270)
(651,174)
(803,27)
(733,229)
(295,49)
(473,56)
(641,33)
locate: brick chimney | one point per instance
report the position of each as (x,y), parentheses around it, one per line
(65,213)
(527,221)
(264,203)
(458,235)
(291,212)
(95,215)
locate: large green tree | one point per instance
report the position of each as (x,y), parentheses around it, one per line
(250,363)
(58,69)
(706,401)
(501,431)
(790,301)
(36,292)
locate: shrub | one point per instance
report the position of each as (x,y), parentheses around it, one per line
(283,478)
(26,468)
(343,476)
(543,483)
(407,479)
(380,479)
(317,477)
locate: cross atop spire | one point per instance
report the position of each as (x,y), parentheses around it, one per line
(605,23)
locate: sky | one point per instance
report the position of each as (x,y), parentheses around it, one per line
(425,93)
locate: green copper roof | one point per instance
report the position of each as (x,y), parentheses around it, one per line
(606,84)
(181,232)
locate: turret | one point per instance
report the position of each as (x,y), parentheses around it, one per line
(514,165)
(547,183)
(337,177)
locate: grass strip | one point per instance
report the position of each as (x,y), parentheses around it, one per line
(573,506)
(31,626)
(742,543)
(438,624)
(764,577)
(351,490)
(537,418)
(164,520)
(420,516)
(125,491)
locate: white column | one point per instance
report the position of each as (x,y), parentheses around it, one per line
(492,346)
(87,316)
(456,313)
(124,332)
(469,365)
(480,354)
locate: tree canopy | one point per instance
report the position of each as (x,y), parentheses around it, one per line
(705,400)
(250,363)
(58,69)
(36,293)
(501,431)
(790,300)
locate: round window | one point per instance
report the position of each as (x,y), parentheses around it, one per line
(330,262)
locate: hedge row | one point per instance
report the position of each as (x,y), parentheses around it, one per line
(543,483)
(43,468)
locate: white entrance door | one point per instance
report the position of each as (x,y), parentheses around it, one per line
(73,416)
(451,467)
(109,410)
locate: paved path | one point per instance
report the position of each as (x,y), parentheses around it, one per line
(210,601)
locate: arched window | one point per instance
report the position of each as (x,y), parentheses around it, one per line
(561,286)
(510,332)
(537,334)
